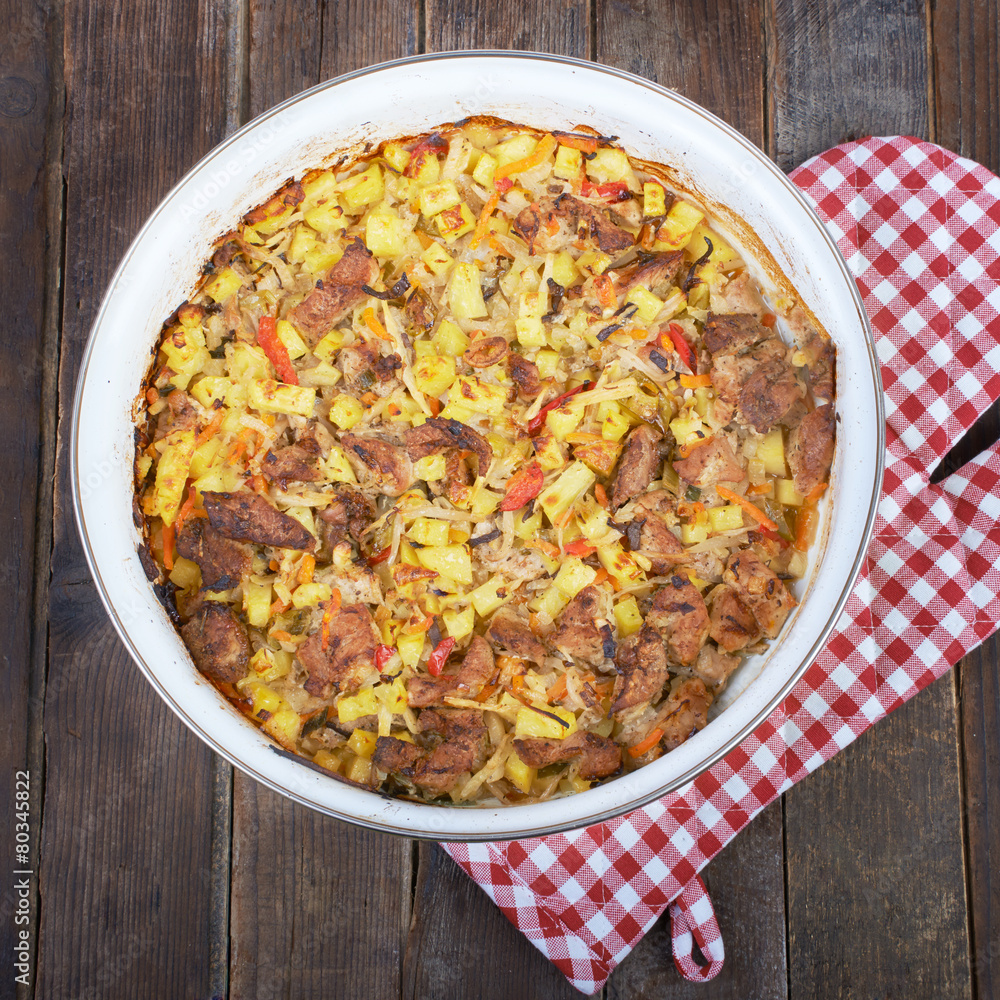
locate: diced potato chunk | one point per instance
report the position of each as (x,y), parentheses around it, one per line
(627,617)
(428,531)
(222,285)
(410,648)
(326,350)
(269,396)
(346,411)
(363,189)
(436,198)
(786,493)
(336,467)
(573,576)
(455,222)
(356,706)
(363,743)
(257,601)
(434,374)
(517,772)
(771,451)
(484,171)
(568,163)
(437,259)
(601,456)
(171,474)
(465,293)
(386,233)
(678,227)
(489,596)
(459,623)
(560,496)
(310,595)
(654,200)
(479,395)
(289,336)
(551,723)
(449,560)
(649,305)
(728,518)
(609,165)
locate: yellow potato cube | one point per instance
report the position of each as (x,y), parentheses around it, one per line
(428,531)
(549,723)
(465,294)
(455,222)
(614,423)
(433,375)
(171,474)
(336,468)
(459,623)
(436,198)
(327,759)
(573,576)
(563,420)
(560,496)
(351,707)
(185,349)
(410,648)
(484,502)
(186,574)
(326,350)
(310,595)
(786,493)
(601,456)
(484,171)
(517,772)
(431,468)
(678,227)
(609,165)
(627,617)
(257,601)
(452,561)
(489,596)
(222,285)
(728,518)
(549,452)
(450,340)
(268,396)
(363,189)
(328,218)
(771,451)
(363,743)
(289,336)
(386,233)
(320,259)
(515,148)
(396,155)
(437,259)
(346,411)
(564,270)
(568,163)
(479,395)
(620,564)
(649,305)
(654,199)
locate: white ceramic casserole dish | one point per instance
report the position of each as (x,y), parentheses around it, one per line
(709,160)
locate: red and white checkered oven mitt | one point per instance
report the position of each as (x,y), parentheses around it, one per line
(920,229)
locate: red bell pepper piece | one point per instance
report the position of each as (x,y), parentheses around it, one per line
(523,486)
(277,353)
(579,547)
(536,422)
(383,654)
(611,191)
(435,663)
(502,184)
(676,336)
(378,557)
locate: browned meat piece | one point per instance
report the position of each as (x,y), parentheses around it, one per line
(638,466)
(461,750)
(679,614)
(739,295)
(486,351)
(221,560)
(477,669)
(510,630)
(600,757)
(378,464)
(648,273)
(710,463)
(642,669)
(182,414)
(579,636)
(386,368)
(657,543)
(819,352)
(760,589)
(568,216)
(223,257)
(419,311)
(810,448)
(684,712)
(292,464)
(714,667)
(438,433)
(350,512)
(525,376)
(423,691)
(768,394)
(760,384)
(290,195)
(657,502)
(396,755)
(730,334)
(349,656)
(329,302)
(733,624)
(218,643)
(248,517)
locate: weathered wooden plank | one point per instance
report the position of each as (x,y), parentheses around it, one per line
(840,71)
(712,52)
(125,871)
(320,909)
(966,59)
(747,883)
(461,945)
(876,894)
(558,26)
(29,203)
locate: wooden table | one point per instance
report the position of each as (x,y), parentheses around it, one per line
(161,872)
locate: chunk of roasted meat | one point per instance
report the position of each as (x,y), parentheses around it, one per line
(684,712)
(461,750)
(733,624)
(679,614)
(599,756)
(438,434)
(294,463)
(810,448)
(638,466)
(248,517)
(337,293)
(222,561)
(349,513)
(579,635)
(525,376)
(378,464)
(478,668)
(340,657)
(554,223)
(218,643)
(709,463)
(759,385)
(760,590)
(510,630)
(642,669)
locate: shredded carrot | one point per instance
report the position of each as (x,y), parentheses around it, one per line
(499,248)
(418,628)
(280,635)
(581,437)
(483,223)
(805,527)
(331,606)
(273,565)
(374,325)
(335,600)
(585,143)
(168,546)
(696,381)
(602,575)
(601,496)
(647,744)
(542,151)
(517,682)
(258,484)
(579,547)
(816,492)
(638,333)
(369,398)
(487,690)
(605,291)
(509,662)
(211,427)
(563,519)
(754,511)
(605,688)
(307,568)
(435,405)
(547,547)
(277,607)
(552,226)
(185,512)
(761,489)
(558,691)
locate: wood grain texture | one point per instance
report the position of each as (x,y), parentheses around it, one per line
(967,91)
(320,909)
(460,945)
(125,870)
(29,203)
(712,52)
(876,894)
(747,883)
(558,26)
(839,71)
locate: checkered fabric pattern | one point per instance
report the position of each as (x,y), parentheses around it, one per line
(920,230)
